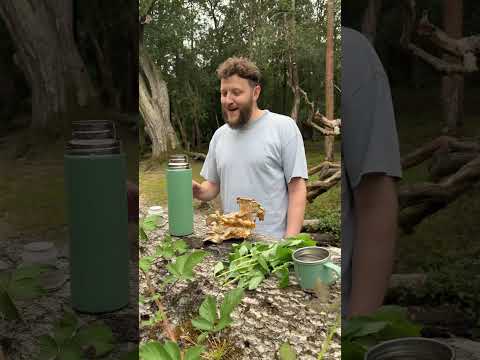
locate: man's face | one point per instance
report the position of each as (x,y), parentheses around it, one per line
(237,98)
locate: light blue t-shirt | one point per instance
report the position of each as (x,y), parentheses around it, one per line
(258,161)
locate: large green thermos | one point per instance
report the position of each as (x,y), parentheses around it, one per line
(180,197)
(95,179)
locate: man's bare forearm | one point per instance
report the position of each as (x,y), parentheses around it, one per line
(376,210)
(297,199)
(205,191)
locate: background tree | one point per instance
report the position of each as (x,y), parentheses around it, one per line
(62,64)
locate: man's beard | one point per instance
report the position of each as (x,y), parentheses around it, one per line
(245,113)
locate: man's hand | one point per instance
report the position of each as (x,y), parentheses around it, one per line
(376,211)
(297,200)
(205,191)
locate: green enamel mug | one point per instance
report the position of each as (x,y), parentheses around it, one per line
(313,263)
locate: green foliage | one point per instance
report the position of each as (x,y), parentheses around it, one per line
(287,352)
(362,332)
(188,40)
(148,224)
(69,340)
(211,320)
(169,248)
(170,350)
(183,266)
(330,222)
(20,284)
(249,263)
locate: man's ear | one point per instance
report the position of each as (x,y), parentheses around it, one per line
(256,92)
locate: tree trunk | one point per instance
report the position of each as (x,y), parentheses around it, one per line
(155,107)
(370,19)
(47,54)
(292,63)
(452,84)
(329,96)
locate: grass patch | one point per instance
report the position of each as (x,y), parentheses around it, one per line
(32,188)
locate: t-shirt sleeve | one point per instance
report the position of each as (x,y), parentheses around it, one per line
(370,141)
(209,170)
(294,160)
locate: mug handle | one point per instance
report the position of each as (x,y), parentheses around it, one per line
(333,267)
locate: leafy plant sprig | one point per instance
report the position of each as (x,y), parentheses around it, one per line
(169,350)
(211,320)
(180,268)
(250,263)
(69,340)
(22,283)
(362,332)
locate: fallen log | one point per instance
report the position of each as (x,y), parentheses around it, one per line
(418,201)
(196,155)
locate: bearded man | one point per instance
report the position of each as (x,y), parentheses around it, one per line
(256,154)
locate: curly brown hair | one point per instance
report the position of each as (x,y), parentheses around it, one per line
(240,66)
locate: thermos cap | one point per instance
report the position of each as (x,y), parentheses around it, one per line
(93,137)
(178,161)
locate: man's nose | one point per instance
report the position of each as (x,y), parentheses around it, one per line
(228,99)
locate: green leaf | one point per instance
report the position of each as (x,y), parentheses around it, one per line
(243,250)
(153,351)
(231,300)
(48,349)
(202,324)
(180,246)
(25,289)
(362,326)
(70,351)
(29,272)
(143,234)
(194,353)
(99,336)
(284,278)
(166,252)
(131,355)
(287,352)
(145,263)
(352,351)
(8,310)
(208,309)
(150,222)
(218,267)
(173,350)
(255,281)
(283,254)
(65,329)
(263,263)
(223,323)
(194,259)
(183,266)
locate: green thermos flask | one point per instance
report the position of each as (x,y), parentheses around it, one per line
(95,179)
(180,196)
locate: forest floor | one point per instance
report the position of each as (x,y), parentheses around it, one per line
(267,316)
(32,208)
(446,245)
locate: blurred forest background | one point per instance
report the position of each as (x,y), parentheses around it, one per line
(183,42)
(435,90)
(54,72)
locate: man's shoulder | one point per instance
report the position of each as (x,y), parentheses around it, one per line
(279,120)
(221,130)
